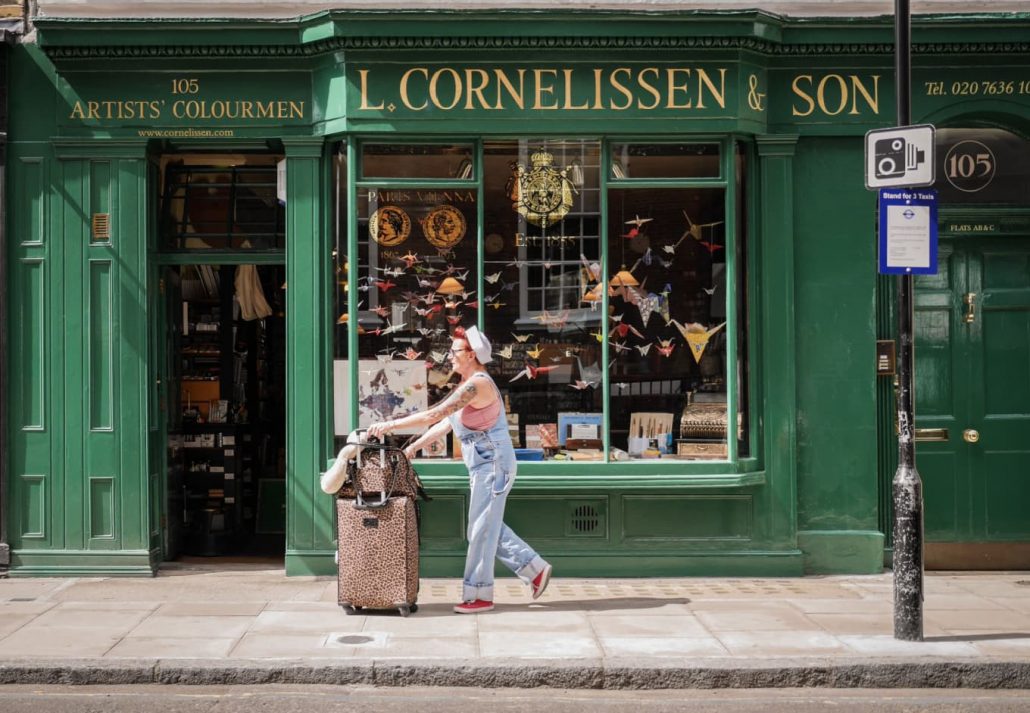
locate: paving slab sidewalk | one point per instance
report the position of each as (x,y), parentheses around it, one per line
(245,624)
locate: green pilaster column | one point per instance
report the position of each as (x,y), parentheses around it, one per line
(776,300)
(308,510)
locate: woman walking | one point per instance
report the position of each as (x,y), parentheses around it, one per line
(475,412)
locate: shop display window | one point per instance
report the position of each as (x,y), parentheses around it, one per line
(700,160)
(212,202)
(417,161)
(587,284)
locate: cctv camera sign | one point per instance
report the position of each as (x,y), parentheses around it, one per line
(900,157)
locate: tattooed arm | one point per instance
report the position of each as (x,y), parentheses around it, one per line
(458,399)
(433,434)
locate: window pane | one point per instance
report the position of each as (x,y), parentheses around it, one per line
(209,206)
(665,161)
(541,260)
(666,329)
(743,380)
(341,374)
(416,161)
(417,267)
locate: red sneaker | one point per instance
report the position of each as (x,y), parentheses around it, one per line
(540,582)
(473,607)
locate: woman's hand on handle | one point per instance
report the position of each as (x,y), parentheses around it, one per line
(380,429)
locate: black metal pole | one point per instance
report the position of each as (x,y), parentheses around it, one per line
(907,487)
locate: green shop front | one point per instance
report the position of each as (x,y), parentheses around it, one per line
(232,242)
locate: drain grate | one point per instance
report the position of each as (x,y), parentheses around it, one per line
(354,639)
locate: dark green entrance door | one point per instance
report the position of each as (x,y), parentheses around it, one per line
(973,404)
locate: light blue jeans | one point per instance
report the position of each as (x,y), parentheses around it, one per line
(491,474)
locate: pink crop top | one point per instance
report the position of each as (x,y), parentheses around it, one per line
(481,419)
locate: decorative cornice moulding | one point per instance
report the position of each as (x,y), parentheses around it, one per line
(323,47)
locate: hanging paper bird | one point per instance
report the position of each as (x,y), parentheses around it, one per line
(393,271)
(622,329)
(454,320)
(428,284)
(496,305)
(695,230)
(521,338)
(637,224)
(644,349)
(532,372)
(410,354)
(711,247)
(381,310)
(535,353)
(697,336)
(709,290)
(409,259)
(666,347)
(666,263)
(452,304)
(438,357)
(517,263)
(580,385)
(493,278)
(619,346)
(590,373)
(385,286)
(505,352)
(474,304)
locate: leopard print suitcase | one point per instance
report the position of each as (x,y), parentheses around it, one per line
(378,554)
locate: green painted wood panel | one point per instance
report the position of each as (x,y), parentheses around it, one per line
(30,202)
(101,515)
(29,348)
(667,517)
(32,506)
(101,350)
(443,523)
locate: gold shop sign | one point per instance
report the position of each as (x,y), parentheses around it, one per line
(427,89)
(211,99)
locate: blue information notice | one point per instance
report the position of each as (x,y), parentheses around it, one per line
(908,231)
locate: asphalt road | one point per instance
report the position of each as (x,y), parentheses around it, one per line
(357,699)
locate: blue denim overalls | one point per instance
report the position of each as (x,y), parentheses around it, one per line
(490,459)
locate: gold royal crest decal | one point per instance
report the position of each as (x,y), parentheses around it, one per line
(542,194)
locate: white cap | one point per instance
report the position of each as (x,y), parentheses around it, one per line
(479,344)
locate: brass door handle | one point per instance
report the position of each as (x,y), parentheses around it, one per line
(970,300)
(970,435)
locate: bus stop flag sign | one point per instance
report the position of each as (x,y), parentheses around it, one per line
(908,231)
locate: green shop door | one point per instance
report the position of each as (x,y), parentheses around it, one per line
(972,370)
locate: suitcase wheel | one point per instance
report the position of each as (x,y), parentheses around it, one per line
(404,609)
(349,609)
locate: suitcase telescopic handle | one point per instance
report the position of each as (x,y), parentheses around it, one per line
(360,504)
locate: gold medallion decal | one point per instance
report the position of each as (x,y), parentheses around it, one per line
(542,194)
(389,226)
(444,226)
